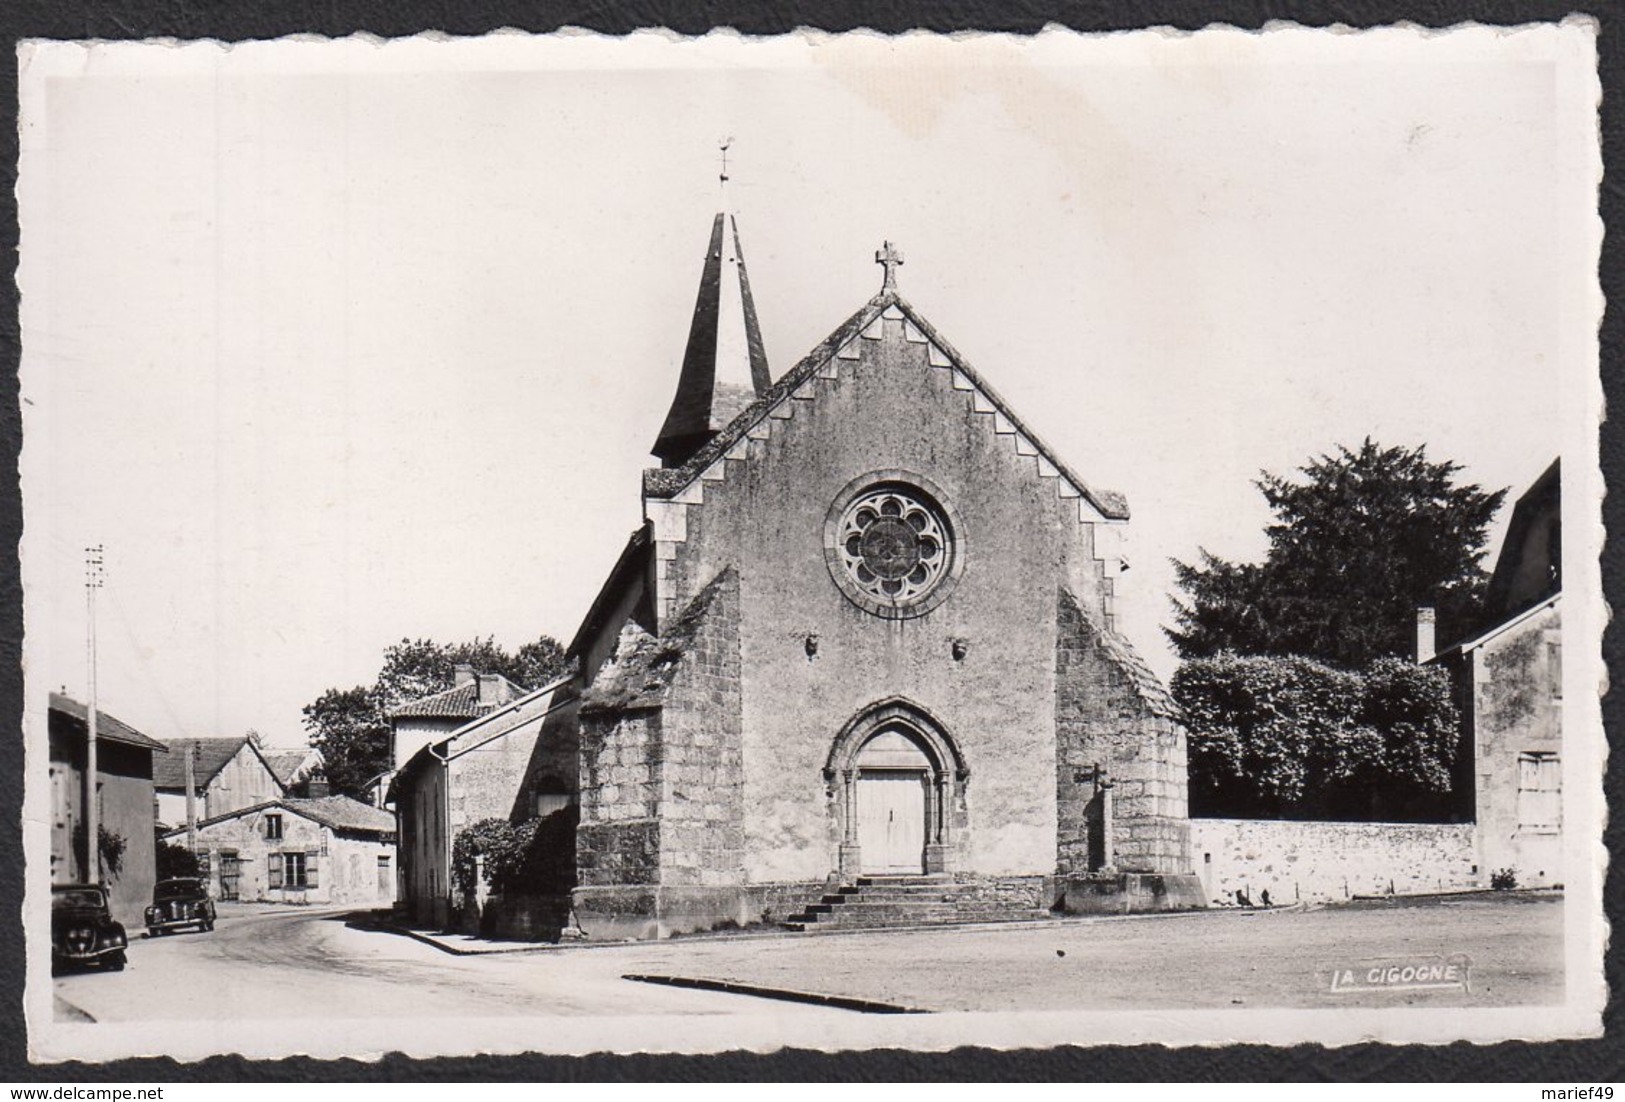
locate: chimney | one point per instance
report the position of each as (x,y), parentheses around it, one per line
(463,674)
(316,785)
(493,690)
(1425,645)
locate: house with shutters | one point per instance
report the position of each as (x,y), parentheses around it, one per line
(227,774)
(330,849)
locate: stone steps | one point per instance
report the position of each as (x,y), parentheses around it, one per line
(875,902)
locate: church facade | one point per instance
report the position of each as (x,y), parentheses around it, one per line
(866,630)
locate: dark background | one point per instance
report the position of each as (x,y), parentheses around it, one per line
(1563,1063)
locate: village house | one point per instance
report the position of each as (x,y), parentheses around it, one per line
(866,631)
(124,794)
(227,774)
(330,849)
(416,723)
(1509,688)
(488,768)
(301,772)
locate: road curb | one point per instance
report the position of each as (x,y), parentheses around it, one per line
(784,994)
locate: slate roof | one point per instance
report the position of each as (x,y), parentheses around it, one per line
(109,728)
(457,702)
(338,812)
(668,483)
(705,403)
(211,757)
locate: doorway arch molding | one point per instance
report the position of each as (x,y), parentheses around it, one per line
(895,712)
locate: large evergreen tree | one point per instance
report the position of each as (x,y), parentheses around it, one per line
(1363,540)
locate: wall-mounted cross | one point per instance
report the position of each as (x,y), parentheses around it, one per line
(889,257)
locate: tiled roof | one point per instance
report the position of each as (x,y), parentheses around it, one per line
(457,702)
(337,812)
(669,483)
(290,766)
(343,813)
(109,728)
(211,756)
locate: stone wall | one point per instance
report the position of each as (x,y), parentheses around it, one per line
(1111,713)
(1301,861)
(702,836)
(1015,892)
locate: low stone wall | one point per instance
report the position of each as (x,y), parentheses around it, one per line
(1301,861)
(1015,892)
(524,917)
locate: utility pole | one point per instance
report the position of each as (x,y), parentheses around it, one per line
(191,796)
(94,575)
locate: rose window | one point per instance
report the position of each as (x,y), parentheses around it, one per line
(894,545)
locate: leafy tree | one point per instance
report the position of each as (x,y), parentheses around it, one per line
(1288,737)
(415,668)
(1366,538)
(349,728)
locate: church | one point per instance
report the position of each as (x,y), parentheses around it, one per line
(864,636)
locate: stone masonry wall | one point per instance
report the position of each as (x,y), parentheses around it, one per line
(701,793)
(1296,861)
(618,840)
(1111,712)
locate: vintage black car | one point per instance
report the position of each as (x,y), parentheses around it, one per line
(82,928)
(183,901)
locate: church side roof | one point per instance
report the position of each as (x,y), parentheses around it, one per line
(725,362)
(669,483)
(633,561)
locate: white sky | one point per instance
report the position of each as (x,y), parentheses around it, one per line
(336,343)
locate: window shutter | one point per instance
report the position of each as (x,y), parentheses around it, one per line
(310,869)
(276,870)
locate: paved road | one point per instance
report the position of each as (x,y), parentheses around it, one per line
(293,963)
(299,963)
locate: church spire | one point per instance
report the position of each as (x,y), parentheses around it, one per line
(725,364)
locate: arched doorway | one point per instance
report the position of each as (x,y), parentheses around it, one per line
(893,786)
(895,777)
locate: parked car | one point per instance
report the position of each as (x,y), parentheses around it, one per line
(82,928)
(183,901)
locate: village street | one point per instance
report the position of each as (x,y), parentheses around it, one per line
(284,963)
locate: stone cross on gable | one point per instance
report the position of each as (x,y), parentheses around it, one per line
(889,257)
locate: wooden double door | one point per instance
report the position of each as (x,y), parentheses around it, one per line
(892,810)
